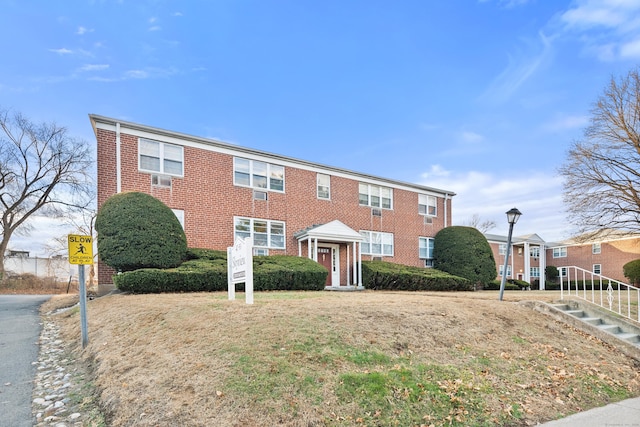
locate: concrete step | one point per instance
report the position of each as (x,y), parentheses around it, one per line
(595,321)
(612,329)
(634,338)
(576,313)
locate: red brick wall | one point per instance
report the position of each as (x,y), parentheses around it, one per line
(210,201)
(613,255)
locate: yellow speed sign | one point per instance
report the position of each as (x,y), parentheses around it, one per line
(80,249)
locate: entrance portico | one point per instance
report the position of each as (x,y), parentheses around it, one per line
(338,248)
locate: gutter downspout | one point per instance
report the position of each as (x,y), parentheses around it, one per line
(118,161)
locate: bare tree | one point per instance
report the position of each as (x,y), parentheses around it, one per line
(43,170)
(481,225)
(602,171)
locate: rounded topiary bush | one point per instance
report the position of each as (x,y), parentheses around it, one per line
(465,252)
(136,230)
(631,271)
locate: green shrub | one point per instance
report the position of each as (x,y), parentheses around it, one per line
(208,273)
(465,252)
(631,271)
(551,272)
(136,230)
(494,285)
(390,276)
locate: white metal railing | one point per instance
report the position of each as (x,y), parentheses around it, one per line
(610,294)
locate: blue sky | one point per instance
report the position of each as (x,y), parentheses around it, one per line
(481,97)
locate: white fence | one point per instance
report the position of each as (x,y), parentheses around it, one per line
(59,268)
(610,294)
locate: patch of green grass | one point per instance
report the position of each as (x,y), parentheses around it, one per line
(519,340)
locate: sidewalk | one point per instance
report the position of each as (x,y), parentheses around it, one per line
(621,414)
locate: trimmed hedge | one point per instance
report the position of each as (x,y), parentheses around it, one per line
(136,230)
(631,271)
(397,277)
(509,285)
(206,271)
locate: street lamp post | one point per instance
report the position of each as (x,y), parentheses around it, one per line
(512,217)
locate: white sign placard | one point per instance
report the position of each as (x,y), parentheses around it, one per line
(240,268)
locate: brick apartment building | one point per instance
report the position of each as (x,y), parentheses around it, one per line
(603,253)
(289,206)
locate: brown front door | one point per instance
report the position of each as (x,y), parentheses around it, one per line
(324,258)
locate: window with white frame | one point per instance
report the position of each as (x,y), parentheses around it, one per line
(159,157)
(377,243)
(427,205)
(534,271)
(502,249)
(560,252)
(501,269)
(534,251)
(256,174)
(375,196)
(323,186)
(264,233)
(597,269)
(179,213)
(563,271)
(596,248)
(425,250)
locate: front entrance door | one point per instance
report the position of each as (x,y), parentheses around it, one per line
(328,256)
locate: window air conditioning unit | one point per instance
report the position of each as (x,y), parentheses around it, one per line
(376,211)
(259,195)
(377,258)
(161,181)
(428,220)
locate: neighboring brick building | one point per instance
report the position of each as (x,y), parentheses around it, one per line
(289,206)
(602,253)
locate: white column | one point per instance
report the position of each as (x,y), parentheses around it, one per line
(360,264)
(348,266)
(315,250)
(543,266)
(299,248)
(309,255)
(527,263)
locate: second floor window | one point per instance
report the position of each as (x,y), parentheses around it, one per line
(596,248)
(256,174)
(426,205)
(154,156)
(560,252)
(502,249)
(534,251)
(375,196)
(323,186)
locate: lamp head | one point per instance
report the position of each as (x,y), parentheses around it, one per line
(513,215)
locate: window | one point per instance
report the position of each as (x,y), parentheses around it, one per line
(596,248)
(426,205)
(323,186)
(265,233)
(160,157)
(375,196)
(560,252)
(256,174)
(425,250)
(502,268)
(563,271)
(502,249)
(260,251)
(534,251)
(534,272)
(179,213)
(377,243)
(597,268)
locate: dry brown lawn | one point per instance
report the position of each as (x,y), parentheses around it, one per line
(342,359)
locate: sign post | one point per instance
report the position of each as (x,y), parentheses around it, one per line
(81,253)
(240,268)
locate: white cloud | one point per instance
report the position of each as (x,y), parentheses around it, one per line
(519,69)
(537,195)
(136,74)
(566,122)
(471,137)
(83,30)
(61,51)
(155,28)
(631,49)
(93,67)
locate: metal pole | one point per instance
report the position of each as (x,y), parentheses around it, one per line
(83,306)
(506,261)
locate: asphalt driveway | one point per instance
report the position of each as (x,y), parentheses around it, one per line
(19,333)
